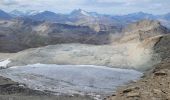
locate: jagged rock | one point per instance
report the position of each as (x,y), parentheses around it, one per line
(161,73)
(130,89)
(157,91)
(133,94)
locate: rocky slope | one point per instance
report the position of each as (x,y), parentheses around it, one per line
(143,30)
(155,84)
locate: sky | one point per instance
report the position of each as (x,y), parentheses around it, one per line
(113,7)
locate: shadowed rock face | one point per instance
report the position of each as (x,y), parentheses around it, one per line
(20,34)
(163,47)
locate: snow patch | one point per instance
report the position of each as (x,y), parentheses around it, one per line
(3,64)
(84,13)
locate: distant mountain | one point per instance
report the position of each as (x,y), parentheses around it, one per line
(83,18)
(45,28)
(164,19)
(49,16)
(95,21)
(134,17)
(79,12)
(79,17)
(140,15)
(32,12)
(4,15)
(166,16)
(40,33)
(17,13)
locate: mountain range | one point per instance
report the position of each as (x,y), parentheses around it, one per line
(37,29)
(98,22)
(39,33)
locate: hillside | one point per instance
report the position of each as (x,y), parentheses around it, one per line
(40,33)
(142,30)
(155,83)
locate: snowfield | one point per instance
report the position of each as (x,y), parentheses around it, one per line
(71,79)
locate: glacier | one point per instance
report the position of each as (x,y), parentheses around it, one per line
(71,79)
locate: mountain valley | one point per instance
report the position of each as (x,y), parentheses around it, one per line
(78,55)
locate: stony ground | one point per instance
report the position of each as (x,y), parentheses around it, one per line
(155,86)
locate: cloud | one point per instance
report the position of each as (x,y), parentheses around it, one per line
(101,6)
(8,2)
(103,3)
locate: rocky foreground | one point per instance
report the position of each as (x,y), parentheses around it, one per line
(155,85)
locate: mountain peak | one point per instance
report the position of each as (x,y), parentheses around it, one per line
(17,13)
(140,14)
(1,11)
(24,13)
(47,13)
(80,12)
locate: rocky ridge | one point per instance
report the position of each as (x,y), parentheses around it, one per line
(143,30)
